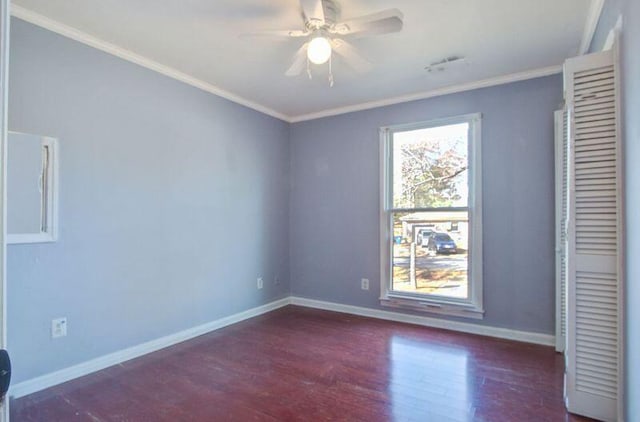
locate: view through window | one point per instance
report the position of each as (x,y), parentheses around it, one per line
(430,211)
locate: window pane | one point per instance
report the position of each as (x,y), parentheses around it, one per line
(430,167)
(430,253)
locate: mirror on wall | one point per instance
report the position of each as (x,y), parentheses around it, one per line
(32,188)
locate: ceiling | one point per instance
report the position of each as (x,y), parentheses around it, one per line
(199,40)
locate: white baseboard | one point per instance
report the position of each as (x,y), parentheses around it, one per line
(465,327)
(58,377)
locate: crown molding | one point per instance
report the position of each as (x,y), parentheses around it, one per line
(92,41)
(593,17)
(485,83)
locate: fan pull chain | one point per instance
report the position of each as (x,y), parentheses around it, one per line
(309,68)
(330,73)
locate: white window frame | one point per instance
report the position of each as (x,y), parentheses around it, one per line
(49,227)
(471,307)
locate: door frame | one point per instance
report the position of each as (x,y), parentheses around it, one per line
(5,18)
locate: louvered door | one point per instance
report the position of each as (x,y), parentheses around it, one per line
(594,225)
(562,189)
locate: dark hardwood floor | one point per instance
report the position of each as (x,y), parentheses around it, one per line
(310,365)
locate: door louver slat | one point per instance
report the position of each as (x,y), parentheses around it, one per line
(562,168)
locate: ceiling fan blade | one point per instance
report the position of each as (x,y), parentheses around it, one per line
(313,10)
(299,61)
(351,56)
(384,22)
(292,33)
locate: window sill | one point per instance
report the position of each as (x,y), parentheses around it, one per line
(433,307)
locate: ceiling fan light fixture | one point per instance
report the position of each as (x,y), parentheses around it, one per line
(319,50)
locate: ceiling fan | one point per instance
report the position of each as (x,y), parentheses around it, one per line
(324,33)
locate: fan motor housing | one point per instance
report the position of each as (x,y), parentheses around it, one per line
(331,14)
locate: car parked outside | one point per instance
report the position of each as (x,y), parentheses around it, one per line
(441,243)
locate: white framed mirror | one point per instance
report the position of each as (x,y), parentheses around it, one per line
(32,188)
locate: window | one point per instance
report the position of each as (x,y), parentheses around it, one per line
(32,188)
(431,216)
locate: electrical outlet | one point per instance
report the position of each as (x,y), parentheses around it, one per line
(364,284)
(260,283)
(59,327)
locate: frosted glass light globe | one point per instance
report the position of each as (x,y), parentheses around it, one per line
(319,50)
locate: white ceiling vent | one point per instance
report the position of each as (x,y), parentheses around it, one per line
(444,64)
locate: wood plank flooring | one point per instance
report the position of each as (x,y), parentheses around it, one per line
(298,364)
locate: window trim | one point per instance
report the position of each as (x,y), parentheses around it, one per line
(468,308)
(50,195)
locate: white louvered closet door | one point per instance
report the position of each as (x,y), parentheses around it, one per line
(562,190)
(594,341)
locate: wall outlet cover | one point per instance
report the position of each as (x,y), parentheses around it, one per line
(364,284)
(58,327)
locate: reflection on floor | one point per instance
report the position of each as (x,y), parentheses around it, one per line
(303,364)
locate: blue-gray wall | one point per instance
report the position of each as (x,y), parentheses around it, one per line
(172,202)
(631,107)
(334,225)
(630,57)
